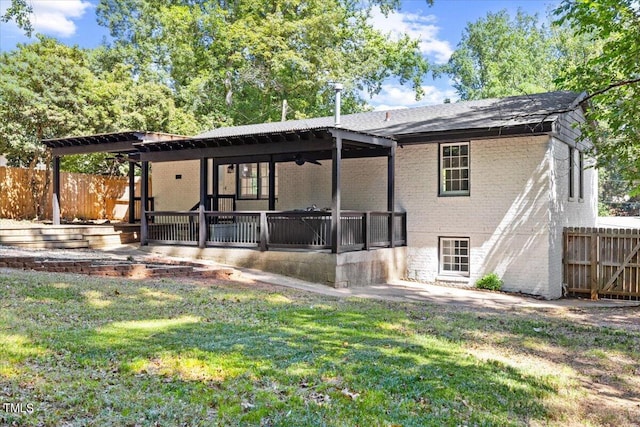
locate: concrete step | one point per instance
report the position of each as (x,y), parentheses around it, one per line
(45,230)
(102,236)
(39,237)
(56,244)
(102,240)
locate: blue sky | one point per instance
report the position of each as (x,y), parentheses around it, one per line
(438,27)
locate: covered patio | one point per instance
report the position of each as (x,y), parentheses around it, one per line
(324,242)
(334,229)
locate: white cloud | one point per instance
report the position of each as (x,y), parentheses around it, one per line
(395,96)
(416,26)
(55,17)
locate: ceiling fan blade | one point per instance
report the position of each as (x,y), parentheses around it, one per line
(315,162)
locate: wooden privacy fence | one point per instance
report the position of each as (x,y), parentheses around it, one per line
(82,196)
(602,262)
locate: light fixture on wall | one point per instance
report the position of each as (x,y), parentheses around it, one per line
(230,168)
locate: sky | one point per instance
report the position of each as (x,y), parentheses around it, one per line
(439,28)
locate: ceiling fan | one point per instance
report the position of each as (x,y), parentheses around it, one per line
(301,160)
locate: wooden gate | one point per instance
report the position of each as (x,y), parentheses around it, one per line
(602,262)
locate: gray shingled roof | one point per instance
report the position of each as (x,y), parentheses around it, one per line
(483,114)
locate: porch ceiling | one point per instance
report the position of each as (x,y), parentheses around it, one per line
(281,146)
(115,142)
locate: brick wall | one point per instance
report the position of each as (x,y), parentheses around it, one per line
(565,211)
(513,217)
(173,194)
(506,216)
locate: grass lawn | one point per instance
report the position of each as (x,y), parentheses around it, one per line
(79,350)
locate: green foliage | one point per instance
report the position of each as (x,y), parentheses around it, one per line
(603,209)
(609,74)
(490,281)
(19,12)
(45,92)
(238,61)
(50,90)
(500,56)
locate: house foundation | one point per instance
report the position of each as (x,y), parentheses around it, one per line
(347,269)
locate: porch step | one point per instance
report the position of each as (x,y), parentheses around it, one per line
(50,244)
(70,237)
(9,238)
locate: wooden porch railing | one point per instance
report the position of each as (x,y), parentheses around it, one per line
(173,228)
(293,230)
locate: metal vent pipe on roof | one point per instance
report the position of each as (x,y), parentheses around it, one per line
(338,88)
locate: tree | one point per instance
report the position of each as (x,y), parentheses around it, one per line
(500,56)
(45,90)
(19,12)
(611,77)
(50,90)
(238,61)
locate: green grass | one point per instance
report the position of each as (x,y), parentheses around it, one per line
(112,352)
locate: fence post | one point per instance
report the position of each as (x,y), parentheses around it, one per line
(595,236)
(264,232)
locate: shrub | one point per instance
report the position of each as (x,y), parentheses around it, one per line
(490,281)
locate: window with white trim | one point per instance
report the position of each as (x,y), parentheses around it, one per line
(253,181)
(580,175)
(454,256)
(454,169)
(572,169)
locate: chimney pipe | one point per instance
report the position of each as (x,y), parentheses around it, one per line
(338,88)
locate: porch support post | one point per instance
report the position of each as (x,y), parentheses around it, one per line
(272,184)
(132,192)
(202,221)
(336,163)
(144,200)
(216,185)
(391,193)
(264,232)
(55,205)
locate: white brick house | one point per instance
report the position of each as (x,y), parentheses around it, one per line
(440,193)
(487,186)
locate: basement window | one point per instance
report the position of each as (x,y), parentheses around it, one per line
(454,256)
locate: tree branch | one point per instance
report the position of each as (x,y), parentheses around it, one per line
(608,88)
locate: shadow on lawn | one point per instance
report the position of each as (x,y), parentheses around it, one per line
(254,355)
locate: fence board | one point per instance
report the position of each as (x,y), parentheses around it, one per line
(602,262)
(82,196)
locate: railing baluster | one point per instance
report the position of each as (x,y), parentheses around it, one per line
(361,230)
